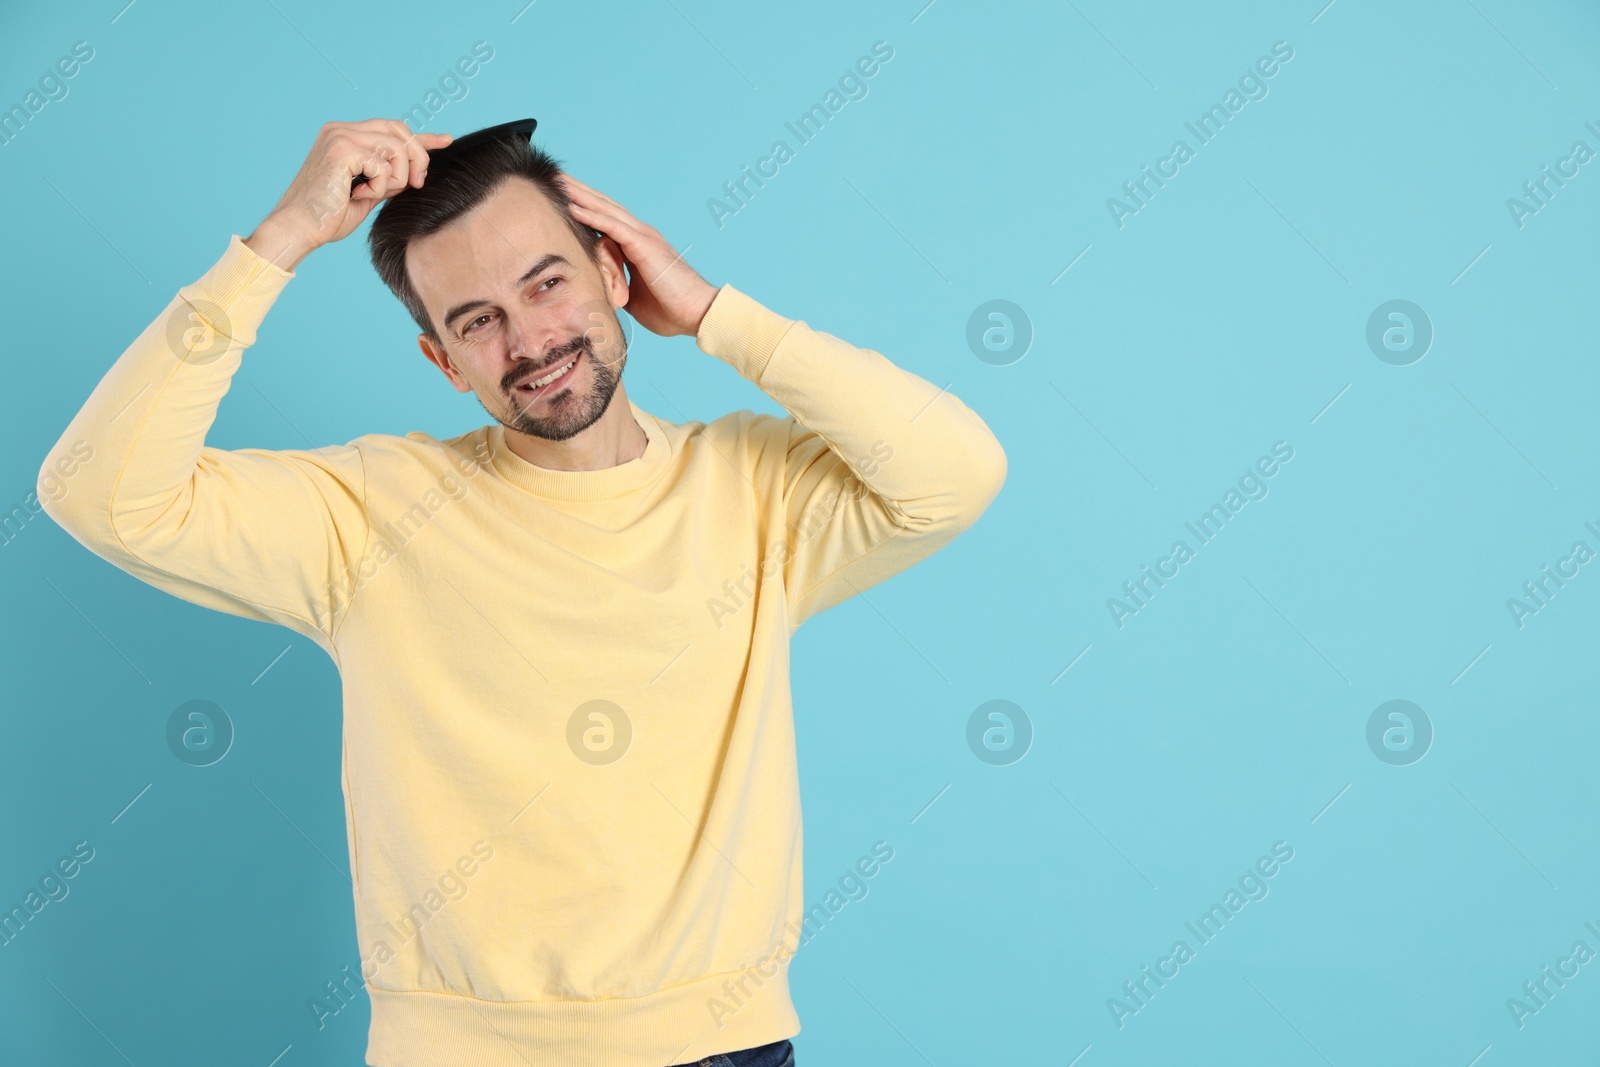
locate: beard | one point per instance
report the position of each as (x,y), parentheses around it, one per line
(567,411)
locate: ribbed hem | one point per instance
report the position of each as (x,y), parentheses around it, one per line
(237,292)
(742,332)
(676,1025)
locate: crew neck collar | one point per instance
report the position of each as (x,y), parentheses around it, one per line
(586,485)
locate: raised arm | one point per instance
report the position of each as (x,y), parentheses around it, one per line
(269,535)
(879,468)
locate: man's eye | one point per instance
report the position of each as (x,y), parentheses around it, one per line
(541,287)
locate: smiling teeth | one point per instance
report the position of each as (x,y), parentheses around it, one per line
(548,378)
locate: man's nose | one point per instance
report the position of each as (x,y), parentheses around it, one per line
(530,336)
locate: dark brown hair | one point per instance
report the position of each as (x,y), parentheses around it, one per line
(452,191)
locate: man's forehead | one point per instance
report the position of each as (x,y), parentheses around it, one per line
(489,247)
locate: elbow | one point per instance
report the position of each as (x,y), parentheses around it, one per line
(54,487)
(992,476)
(983,478)
(47,489)
(964,492)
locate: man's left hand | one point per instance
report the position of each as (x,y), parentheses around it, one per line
(665,295)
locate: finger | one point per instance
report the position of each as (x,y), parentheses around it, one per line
(599,205)
(365,158)
(640,244)
(613,218)
(361,165)
(624,228)
(574,192)
(600,201)
(380,166)
(405,161)
(380,159)
(633,235)
(391,127)
(564,176)
(589,194)
(375,169)
(433,142)
(416,154)
(398,159)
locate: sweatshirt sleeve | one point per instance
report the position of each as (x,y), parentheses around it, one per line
(880,468)
(267,535)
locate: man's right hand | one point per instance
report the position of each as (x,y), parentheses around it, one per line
(320,208)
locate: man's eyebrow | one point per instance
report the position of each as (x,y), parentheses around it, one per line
(551,260)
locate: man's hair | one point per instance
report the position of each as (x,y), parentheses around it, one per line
(458,187)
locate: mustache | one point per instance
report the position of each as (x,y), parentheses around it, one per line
(560,355)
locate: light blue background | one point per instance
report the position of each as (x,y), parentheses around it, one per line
(1223,317)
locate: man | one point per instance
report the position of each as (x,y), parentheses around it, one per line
(569,769)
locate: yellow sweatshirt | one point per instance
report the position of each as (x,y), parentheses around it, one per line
(571,796)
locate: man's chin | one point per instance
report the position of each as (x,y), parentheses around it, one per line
(565,416)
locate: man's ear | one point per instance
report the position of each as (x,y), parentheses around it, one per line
(610,261)
(441,359)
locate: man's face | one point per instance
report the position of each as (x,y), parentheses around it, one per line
(515,299)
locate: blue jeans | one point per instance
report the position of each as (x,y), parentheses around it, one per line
(777,1054)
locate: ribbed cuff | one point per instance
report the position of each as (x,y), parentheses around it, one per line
(741,332)
(236,293)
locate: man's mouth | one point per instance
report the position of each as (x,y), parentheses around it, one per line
(545,383)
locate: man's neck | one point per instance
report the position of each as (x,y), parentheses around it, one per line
(615,438)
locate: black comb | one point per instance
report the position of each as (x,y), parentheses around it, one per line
(521,128)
